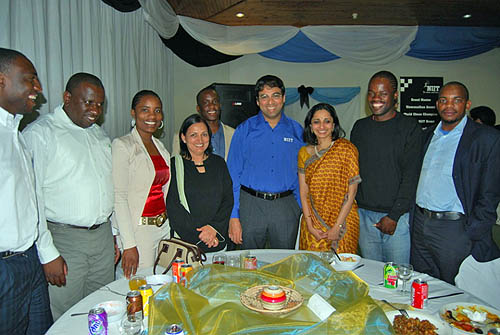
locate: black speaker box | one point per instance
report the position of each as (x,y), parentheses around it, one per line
(237,103)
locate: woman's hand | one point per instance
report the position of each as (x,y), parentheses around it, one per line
(333,233)
(208,236)
(130,261)
(317,233)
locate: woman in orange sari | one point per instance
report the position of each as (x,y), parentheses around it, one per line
(328,181)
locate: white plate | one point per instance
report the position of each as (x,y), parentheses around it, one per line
(158,279)
(453,306)
(346,266)
(114,309)
(442,327)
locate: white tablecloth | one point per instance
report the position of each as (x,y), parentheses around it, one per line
(371,273)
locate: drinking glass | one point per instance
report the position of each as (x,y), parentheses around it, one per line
(233,261)
(131,325)
(136,281)
(405,272)
(219,259)
(327,256)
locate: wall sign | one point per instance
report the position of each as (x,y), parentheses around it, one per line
(418,96)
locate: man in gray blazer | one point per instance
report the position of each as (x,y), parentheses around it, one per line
(208,106)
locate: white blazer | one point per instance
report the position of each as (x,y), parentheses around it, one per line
(133,175)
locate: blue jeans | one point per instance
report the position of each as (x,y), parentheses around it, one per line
(382,247)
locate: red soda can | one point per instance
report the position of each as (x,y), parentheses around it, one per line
(176,270)
(134,304)
(250,262)
(419,293)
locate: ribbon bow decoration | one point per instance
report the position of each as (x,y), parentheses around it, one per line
(304,93)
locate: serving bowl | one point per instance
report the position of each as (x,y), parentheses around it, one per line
(347,262)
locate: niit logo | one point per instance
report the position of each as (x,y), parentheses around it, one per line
(430,88)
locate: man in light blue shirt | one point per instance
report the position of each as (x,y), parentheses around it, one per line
(262,162)
(458,192)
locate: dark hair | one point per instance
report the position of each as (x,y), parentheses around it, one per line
(188,122)
(309,136)
(208,88)
(455,83)
(7,57)
(82,77)
(144,93)
(483,113)
(387,75)
(271,81)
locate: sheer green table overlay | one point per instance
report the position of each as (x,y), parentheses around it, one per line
(211,303)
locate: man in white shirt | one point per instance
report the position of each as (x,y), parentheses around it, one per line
(24,299)
(72,162)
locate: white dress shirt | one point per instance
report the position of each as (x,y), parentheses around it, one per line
(19,212)
(72,168)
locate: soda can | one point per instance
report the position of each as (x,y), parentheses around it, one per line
(146,293)
(174,329)
(134,304)
(419,293)
(98,321)
(250,262)
(176,267)
(391,275)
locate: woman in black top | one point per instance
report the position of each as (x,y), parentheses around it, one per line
(207,188)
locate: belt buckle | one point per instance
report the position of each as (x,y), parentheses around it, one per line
(160,220)
(144,220)
(269,196)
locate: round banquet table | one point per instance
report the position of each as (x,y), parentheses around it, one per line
(371,273)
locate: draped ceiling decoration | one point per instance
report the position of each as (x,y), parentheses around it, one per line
(202,43)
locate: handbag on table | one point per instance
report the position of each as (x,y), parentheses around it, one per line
(173,248)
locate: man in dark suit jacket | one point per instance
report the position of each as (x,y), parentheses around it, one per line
(458,190)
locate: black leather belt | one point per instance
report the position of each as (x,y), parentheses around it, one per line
(440,215)
(93,227)
(266,195)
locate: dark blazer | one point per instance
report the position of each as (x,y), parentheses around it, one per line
(476,175)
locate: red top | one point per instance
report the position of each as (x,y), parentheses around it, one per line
(155,204)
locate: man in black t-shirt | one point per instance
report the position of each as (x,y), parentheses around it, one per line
(388,144)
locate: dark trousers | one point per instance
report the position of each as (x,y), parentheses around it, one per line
(438,247)
(24,298)
(275,221)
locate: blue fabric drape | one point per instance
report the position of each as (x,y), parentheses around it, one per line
(431,43)
(332,95)
(300,49)
(450,43)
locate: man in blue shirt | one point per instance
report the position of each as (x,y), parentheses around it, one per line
(262,162)
(458,190)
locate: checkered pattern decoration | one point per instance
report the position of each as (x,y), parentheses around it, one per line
(405,83)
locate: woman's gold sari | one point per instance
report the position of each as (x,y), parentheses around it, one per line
(328,177)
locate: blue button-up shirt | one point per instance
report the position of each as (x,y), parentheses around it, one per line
(436,189)
(265,158)
(218,142)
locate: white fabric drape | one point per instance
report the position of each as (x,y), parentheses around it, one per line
(375,45)
(161,16)
(348,113)
(63,37)
(238,40)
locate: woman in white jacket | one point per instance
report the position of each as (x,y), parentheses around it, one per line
(141,177)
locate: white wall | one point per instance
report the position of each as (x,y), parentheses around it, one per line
(481,74)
